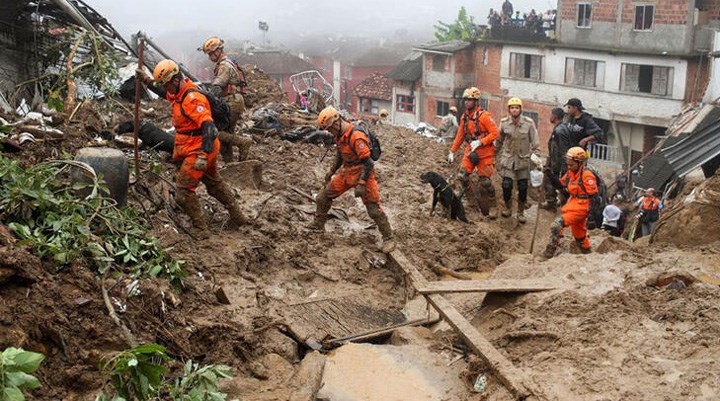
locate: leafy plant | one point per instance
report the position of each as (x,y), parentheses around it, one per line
(16,365)
(43,210)
(463,28)
(135,374)
(199,383)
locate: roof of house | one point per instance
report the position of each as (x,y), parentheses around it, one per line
(679,154)
(376,86)
(379,57)
(449,47)
(409,69)
(275,62)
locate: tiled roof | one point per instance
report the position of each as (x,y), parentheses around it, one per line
(275,62)
(376,86)
(409,69)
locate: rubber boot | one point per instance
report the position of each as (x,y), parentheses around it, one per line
(555,235)
(219,190)
(226,146)
(380,218)
(579,243)
(507,212)
(521,213)
(243,144)
(492,213)
(190,203)
(321,212)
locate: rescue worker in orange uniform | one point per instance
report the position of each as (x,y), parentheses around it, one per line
(580,185)
(196,146)
(353,168)
(649,214)
(229,84)
(479,131)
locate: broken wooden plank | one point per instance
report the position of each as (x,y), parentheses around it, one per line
(372,334)
(510,376)
(491,285)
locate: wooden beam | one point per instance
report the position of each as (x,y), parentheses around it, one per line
(510,376)
(485,286)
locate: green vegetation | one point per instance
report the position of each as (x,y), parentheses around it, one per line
(42,209)
(16,365)
(463,28)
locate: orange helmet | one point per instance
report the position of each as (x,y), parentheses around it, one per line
(212,44)
(327,117)
(165,70)
(472,93)
(576,153)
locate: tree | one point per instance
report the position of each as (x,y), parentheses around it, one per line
(463,28)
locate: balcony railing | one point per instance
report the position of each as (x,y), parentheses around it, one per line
(606,153)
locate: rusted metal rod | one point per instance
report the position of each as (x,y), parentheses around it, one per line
(138,89)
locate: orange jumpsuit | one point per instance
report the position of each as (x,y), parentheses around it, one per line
(188,136)
(575,211)
(353,146)
(477,124)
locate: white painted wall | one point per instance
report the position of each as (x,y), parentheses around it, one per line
(601,102)
(336,82)
(713,89)
(401,118)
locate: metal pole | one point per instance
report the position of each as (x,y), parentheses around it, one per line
(138,88)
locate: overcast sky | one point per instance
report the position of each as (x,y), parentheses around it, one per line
(293,18)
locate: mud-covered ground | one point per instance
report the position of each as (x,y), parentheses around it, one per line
(609,331)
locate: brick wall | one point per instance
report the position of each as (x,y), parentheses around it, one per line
(669,12)
(698,78)
(430,109)
(713,9)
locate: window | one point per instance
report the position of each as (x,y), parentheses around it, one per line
(439,63)
(405,103)
(369,106)
(441,108)
(525,66)
(646,79)
(588,73)
(348,72)
(532,115)
(584,15)
(644,17)
(484,103)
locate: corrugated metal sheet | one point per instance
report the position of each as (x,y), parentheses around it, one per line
(445,47)
(681,154)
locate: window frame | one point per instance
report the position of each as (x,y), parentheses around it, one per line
(571,69)
(534,115)
(441,105)
(484,103)
(514,73)
(652,19)
(436,62)
(587,19)
(403,101)
(669,81)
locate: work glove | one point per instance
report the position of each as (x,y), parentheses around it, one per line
(360,190)
(451,157)
(200,163)
(208,137)
(329,176)
(143,77)
(475,144)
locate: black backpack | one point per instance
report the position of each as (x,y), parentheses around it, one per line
(218,108)
(375,150)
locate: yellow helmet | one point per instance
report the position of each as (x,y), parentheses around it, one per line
(515,102)
(472,93)
(165,70)
(576,153)
(212,44)
(453,109)
(327,117)
(384,113)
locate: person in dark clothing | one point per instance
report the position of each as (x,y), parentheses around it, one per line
(620,183)
(558,145)
(582,124)
(507,8)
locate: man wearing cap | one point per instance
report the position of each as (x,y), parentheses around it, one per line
(558,145)
(448,126)
(582,124)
